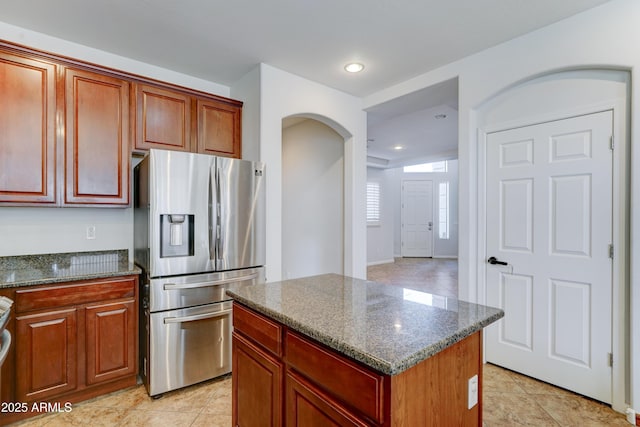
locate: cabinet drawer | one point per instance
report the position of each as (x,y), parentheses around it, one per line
(74,294)
(332,372)
(263,331)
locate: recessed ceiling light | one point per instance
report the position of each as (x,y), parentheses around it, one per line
(354,67)
(398,147)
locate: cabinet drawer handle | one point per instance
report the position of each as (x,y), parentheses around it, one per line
(175,286)
(168,320)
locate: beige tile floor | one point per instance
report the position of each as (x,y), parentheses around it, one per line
(509,399)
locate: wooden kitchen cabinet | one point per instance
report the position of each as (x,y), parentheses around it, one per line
(97,142)
(172,119)
(163,119)
(322,387)
(65,134)
(46,354)
(257,376)
(264,352)
(111,331)
(72,341)
(218,128)
(309,406)
(27,130)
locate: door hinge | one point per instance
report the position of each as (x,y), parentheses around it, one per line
(610,359)
(611,142)
(611,251)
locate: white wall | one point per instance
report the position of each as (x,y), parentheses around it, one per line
(247,90)
(312,200)
(380,236)
(607,36)
(46,230)
(284,95)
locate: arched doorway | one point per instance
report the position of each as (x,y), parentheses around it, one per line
(313,203)
(546,103)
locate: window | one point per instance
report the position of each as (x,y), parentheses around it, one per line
(373,203)
(443,210)
(427,167)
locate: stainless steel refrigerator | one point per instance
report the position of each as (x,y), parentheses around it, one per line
(198,226)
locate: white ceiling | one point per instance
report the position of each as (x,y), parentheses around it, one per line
(220,41)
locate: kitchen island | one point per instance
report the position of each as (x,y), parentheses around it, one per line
(334,350)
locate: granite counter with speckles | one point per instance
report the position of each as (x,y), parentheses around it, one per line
(386,327)
(31,270)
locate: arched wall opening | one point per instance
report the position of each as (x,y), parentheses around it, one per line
(313,196)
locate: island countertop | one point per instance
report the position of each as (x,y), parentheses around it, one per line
(386,327)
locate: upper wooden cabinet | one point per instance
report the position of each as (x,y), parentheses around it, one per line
(27,130)
(218,128)
(64,135)
(67,128)
(97,139)
(172,119)
(163,119)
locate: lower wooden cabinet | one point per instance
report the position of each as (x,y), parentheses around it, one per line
(72,341)
(309,406)
(46,349)
(110,330)
(257,377)
(281,377)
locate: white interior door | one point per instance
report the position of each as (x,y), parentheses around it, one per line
(549,216)
(417,218)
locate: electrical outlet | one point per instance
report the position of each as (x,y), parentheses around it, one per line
(472,399)
(91,232)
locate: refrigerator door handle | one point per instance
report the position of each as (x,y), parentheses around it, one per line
(214,213)
(196,317)
(219,247)
(175,286)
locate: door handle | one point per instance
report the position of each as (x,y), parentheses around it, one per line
(176,286)
(493,261)
(168,320)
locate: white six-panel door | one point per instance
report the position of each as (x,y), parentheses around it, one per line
(417,218)
(549,216)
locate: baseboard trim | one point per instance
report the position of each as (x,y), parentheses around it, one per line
(385,261)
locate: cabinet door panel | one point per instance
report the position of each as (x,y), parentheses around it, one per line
(27,136)
(322,366)
(97,139)
(163,119)
(110,339)
(46,354)
(257,386)
(218,128)
(308,406)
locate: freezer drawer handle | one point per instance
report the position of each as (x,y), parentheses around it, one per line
(196,317)
(174,286)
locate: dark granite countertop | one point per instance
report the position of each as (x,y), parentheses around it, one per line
(386,327)
(30,270)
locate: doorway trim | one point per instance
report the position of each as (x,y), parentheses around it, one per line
(621,373)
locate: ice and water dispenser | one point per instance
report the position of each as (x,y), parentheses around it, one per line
(176,235)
